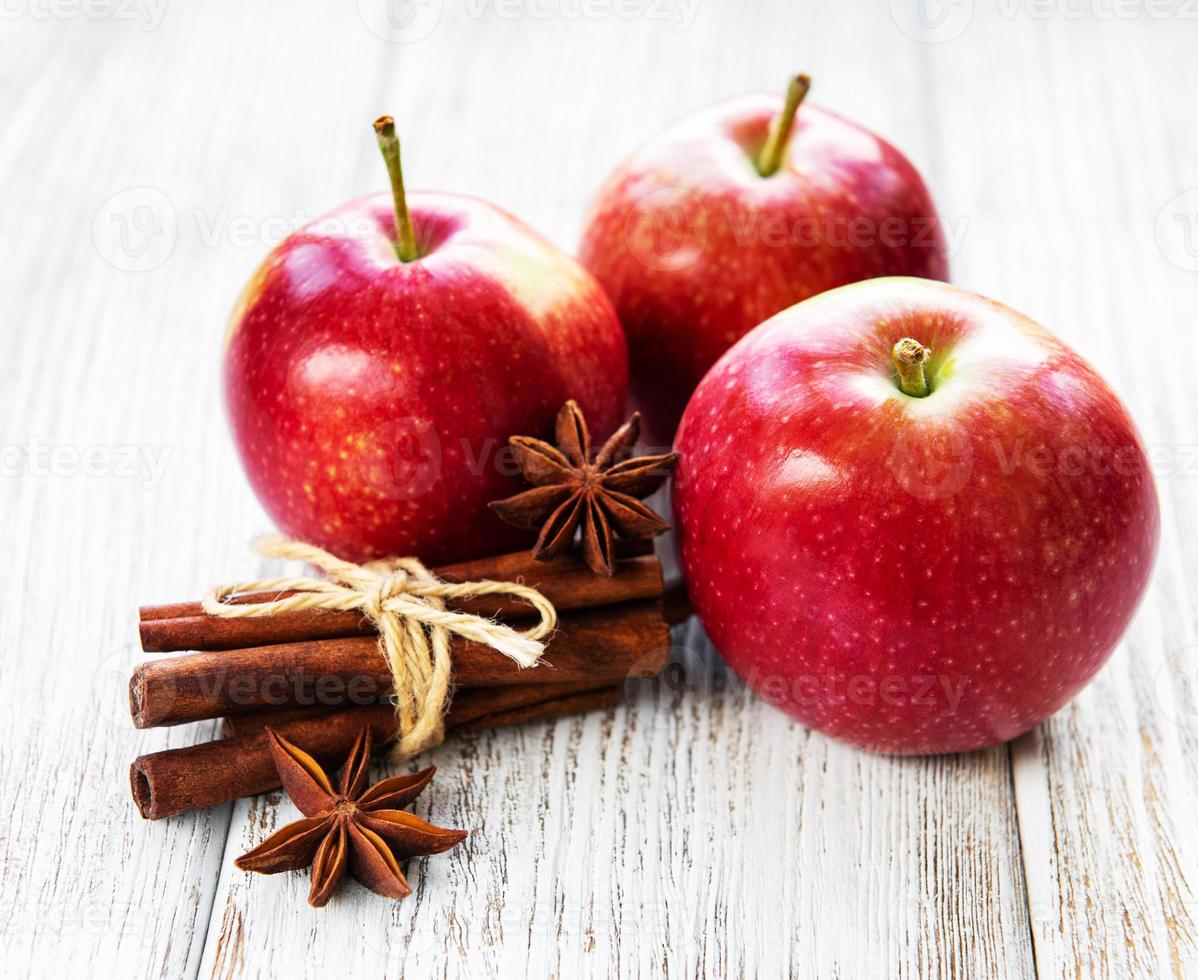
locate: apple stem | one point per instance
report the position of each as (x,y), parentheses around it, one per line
(770,158)
(909,358)
(405,235)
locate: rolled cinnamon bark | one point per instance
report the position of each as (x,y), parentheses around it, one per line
(234,725)
(467,706)
(598,647)
(566,582)
(171,782)
(676,604)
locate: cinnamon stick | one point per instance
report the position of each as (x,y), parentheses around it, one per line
(601,646)
(565,582)
(676,604)
(233,725)
(171,782)
(467,706)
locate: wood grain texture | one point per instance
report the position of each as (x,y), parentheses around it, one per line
(691,832)
(1066,231)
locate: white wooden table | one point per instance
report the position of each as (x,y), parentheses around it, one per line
(709,835)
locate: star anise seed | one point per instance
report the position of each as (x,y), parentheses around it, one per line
(572,490)
(345,823)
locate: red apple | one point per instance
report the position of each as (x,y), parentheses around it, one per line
(737,213)
(912,552)
(373,376)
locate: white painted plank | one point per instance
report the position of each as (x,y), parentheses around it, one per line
(709,835)
(113,361)
(1063,227)
(703,835)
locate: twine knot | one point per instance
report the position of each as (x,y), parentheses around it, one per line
(408,605)
(374,600)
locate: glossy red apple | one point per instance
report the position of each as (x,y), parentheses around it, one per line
(373,377)
(737,213)
(912,552)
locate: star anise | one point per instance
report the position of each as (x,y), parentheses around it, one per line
(346,823)
(570,489)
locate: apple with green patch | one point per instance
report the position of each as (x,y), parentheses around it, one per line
(382,355)
(740,211)
(911,517)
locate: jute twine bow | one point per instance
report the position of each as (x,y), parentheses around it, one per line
(406,603)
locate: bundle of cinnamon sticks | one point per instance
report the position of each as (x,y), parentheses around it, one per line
(317,677)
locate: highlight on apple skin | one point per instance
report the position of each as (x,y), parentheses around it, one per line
(381,357)
(740,211)
(911,517)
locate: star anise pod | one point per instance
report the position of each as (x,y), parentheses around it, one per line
(347,824)
(570,489)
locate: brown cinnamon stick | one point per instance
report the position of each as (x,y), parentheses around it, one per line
(565,582)
(676,604)
(176,780)
(599,647)
(233,725)
(467,706)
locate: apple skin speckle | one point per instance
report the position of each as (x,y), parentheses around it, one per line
(912,575)
(372,400)
(695,247)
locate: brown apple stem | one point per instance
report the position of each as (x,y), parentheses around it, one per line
(770,158)
(405,235)
(909,357)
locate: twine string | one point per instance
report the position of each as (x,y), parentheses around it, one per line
(408,605)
